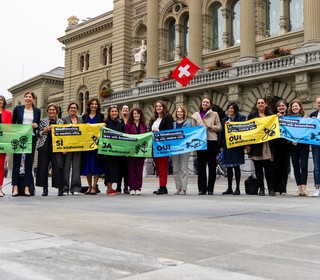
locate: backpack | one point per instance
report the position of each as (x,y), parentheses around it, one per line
(251,185)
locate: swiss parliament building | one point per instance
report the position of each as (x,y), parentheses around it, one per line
(245,49)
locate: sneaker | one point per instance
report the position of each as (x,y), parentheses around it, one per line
(132,192)
(316,192)
(177,192)
(65,193)
(112,192)
(183,192)
(138,192)
(75,193)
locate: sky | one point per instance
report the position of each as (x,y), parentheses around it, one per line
(29,32)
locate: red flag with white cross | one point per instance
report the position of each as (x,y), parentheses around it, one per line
(185,71)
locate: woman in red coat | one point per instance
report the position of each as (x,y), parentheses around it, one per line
(5,117)
(136,124)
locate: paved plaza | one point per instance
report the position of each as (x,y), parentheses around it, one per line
(160,237)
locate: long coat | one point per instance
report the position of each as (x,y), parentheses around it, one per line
(233,156)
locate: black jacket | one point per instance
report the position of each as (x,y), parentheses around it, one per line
(165,124)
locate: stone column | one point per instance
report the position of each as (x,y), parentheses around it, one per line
(247,32)
(152,41)
(311,14)
(195,32)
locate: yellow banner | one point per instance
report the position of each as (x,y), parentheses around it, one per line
(254,131)
(75,137)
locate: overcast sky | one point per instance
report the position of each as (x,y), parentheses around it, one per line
(29,32)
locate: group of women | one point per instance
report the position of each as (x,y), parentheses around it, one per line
(270,159)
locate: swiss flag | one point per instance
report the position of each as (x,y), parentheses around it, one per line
(185,71)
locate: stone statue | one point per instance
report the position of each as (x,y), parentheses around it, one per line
(140,53)
(73,20)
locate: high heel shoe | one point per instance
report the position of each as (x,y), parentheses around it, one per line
(88,191)
(15,191)
(93,191)
(27,192)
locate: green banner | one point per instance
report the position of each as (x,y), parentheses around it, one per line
(115,143)
(15,138)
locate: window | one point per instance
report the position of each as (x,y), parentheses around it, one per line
(295,14)
(172,40)
(83,98)
(217,26)
(236,23)
(273,17)
(107,55)
(87,62)
(185,50)
(82,63)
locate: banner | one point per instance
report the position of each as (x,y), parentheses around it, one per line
(75,137)
(179,141)
(115,143)
(301,130)
(16,138)
(254,131)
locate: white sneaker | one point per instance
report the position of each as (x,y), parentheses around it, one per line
(75,193)
(138,192)
(132,192)
(316,192)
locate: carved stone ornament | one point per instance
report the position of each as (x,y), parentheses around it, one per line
(73,20)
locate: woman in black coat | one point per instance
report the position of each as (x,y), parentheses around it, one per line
(263,153)
(233,157)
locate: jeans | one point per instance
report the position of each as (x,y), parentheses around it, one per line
(316,165)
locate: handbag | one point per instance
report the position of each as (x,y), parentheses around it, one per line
(251,185)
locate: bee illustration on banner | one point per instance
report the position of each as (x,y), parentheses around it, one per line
(269,132)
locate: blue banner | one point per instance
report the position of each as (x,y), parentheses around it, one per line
(301,130)
(179,141)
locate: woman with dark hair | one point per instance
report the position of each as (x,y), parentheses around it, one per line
(210,119)
(281,163)
(72,158)
(5,117)
(25,114)
(180,162)
(136,124)
(232,158)
(263,153)
(91,162)
(47,156)
(161,120)
(113,163)
(299,153)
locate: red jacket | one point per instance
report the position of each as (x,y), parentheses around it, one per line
(6,116)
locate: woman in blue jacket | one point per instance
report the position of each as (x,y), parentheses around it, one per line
(180,162)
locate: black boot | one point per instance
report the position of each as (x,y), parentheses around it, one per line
(60,192)
(236,192)
(45,191)
(228,191)
(271,192)
(126,191)
(161,190)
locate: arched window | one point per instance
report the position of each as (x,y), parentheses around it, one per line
(185,50)
(110,55)
(273,17)
(217,26)
(295,14)
(87,62)
(172,40)
(236,23)
(83,98)
(105,56)
(81,63)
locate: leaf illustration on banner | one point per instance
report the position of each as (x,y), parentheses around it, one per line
(15,144)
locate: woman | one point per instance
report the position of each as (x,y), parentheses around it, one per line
(210,119)
(47,156)
(25,114)
(5,117)
(263,153)
(113,163)
(72,159)
(180,162)
(232,158)
(281,162)
(161,120)
(124,165)
(136,125)
(91,162)
(299,153)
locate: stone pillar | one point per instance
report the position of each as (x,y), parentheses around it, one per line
(247,32)
(195,32)
(311,14)
(283,17)
(152,41)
